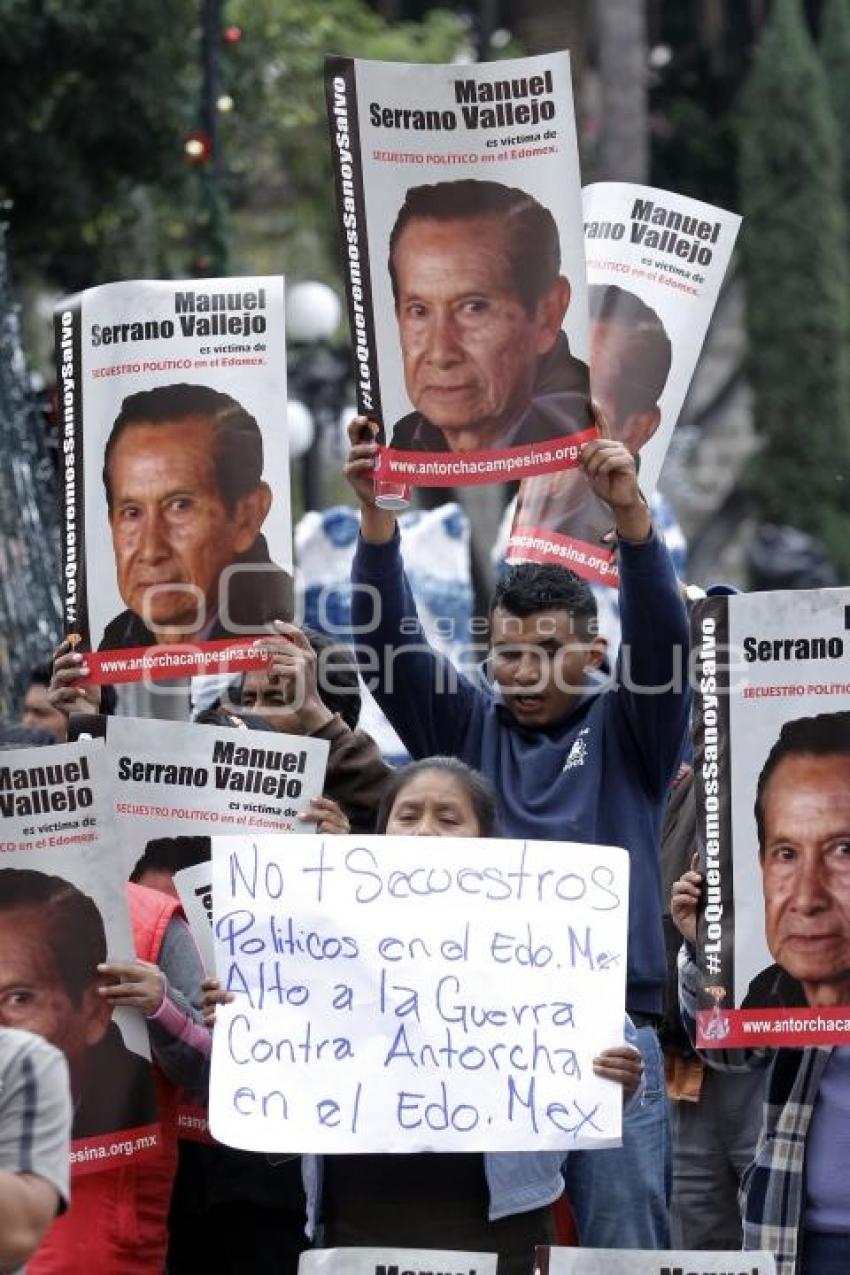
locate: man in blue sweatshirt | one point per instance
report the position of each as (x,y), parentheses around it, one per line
(571,759)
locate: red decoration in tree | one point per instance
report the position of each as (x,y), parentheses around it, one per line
(232,35)
(198,147)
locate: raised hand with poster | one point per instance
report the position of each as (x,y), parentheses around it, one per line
(598,1261)
(63,914)
(458,194)
(406,994)
(176,521)
(772,772)
(655,265)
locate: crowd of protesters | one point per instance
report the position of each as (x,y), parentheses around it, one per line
(541,748)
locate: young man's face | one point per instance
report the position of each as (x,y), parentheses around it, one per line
(267,696)
(33,997)
(806,873)
(39,713)
(539,662)
(171,531)
(470,348)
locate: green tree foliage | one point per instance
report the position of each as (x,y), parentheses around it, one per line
(835,55)
(795,261)
(95,100)
(276,139)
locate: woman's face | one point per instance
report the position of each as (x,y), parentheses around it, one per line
(433,804)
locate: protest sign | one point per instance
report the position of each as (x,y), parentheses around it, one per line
(416,993)
(613,1261)
(772,779)
(181,780)
(655,265)
(194,886)
(175,784)
(176,524)
(458,195)
(395,1261)
(63,912)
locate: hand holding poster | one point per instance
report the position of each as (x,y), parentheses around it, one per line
(176,475)
(411,994)
(394,1261)
(63,913)
(772,770)
(460,224)
(611,1261)
(655,265)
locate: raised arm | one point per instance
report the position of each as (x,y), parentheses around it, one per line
(427,701)
(170,996)
(654,694)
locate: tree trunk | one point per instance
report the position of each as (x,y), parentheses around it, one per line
(30,588)
(623,148)
(545,25)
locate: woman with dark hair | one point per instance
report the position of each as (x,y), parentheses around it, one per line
(437,797)
(492,1202)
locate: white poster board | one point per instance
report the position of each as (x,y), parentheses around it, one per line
(394,1261)
(403,994)
(174,390)
(611,1261)
(63,911)
(772,734)
(656,262)
(173,779)
(486,156)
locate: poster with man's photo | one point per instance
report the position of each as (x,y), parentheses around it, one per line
(655,265)
(174,785)
(176,523)
(63,916)
(772,777)
(458,195)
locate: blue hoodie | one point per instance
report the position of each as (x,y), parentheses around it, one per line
(599,776)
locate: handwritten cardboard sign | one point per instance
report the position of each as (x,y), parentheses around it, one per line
(416,993)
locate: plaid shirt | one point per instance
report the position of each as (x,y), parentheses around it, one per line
(773,1188)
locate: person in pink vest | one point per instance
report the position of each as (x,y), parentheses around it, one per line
(118,1219)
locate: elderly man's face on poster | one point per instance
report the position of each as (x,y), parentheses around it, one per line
(806,873)
(33,996)
(470,347)
(172,532)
